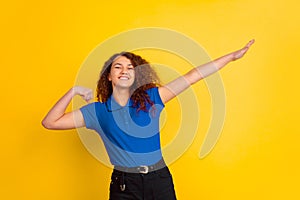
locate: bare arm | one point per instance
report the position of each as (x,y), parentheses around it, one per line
(57,118)
(175,87)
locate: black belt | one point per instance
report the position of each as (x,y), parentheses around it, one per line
(143,169)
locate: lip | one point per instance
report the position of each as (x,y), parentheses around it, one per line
(124,78)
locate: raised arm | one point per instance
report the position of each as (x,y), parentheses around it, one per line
(57,118)
(175,87)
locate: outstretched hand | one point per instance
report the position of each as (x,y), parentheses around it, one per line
(85,93)
(240,53)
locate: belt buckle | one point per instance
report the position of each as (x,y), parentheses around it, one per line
(143,169)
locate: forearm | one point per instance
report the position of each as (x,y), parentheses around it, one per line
(178,85)
(207,69)
(181,83)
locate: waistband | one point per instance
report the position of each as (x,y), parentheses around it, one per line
(143,169)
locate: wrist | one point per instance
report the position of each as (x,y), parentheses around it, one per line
(231,57)
(74,90)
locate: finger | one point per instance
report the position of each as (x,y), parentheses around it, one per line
(89,97)
(250,43)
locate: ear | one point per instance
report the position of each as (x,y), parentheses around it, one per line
(109,77)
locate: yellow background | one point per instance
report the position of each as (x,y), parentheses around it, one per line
(43,45)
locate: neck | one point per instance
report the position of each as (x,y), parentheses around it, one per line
(121,96)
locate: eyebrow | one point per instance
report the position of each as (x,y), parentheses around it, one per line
(117,64)
(129,64)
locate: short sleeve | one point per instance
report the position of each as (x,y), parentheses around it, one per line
(89,114)
(155,97)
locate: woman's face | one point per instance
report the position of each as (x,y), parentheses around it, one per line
(121,73)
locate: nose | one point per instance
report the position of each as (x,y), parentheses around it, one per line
(124,70)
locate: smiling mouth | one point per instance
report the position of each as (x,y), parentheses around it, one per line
(124,78)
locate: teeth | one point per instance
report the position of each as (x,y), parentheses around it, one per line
(124,78)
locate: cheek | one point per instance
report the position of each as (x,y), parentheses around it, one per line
(132,73)
(112,75)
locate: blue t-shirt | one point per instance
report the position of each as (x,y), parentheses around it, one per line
(131,137)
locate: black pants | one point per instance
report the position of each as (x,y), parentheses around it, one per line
(156,185)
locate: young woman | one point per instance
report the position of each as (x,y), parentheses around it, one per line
(126,116)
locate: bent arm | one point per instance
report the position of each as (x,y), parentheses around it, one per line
(58,119)
(175,87)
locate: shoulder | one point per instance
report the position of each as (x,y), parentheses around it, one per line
(152,90)
(154,95)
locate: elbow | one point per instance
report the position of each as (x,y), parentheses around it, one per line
(48,125)
(192,78)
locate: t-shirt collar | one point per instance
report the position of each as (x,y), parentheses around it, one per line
(112,105)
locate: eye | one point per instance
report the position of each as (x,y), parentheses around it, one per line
(130,66)
(117,66)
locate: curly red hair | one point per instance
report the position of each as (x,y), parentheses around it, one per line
(145,78)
